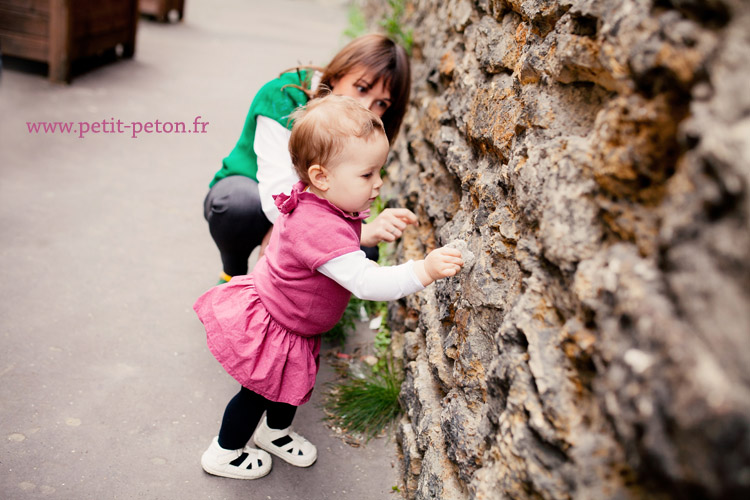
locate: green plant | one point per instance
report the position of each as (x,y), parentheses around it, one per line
(365,406)
(382,340)
(393,25)
(346,325)
(357,22)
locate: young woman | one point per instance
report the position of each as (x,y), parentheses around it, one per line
(239,206)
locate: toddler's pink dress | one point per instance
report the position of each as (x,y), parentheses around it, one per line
(265,328)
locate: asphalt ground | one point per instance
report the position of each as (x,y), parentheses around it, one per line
(107,389)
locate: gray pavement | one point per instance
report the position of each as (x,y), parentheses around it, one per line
(106,387)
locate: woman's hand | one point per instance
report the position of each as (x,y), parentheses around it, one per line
(387,226)
(440,263)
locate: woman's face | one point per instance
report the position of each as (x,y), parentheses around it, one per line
(370,91)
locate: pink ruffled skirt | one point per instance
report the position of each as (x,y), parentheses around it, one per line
(257,351)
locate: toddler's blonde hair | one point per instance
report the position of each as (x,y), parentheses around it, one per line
(322,128)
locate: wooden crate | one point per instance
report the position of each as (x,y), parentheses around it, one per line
(59,32)
(160,9)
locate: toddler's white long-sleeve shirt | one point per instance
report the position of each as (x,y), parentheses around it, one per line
(369,281)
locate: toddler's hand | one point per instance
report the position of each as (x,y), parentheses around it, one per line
(440,263)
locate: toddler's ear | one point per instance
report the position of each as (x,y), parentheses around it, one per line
(318,177)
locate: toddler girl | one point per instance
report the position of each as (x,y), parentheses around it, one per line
(265,328)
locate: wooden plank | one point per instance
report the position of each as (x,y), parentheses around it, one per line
(104,18)
(40,6)
(129,45)
(103,27)
(60,41)
(96,44)
(107,32)
(93,11)
(25,46)
(24,22)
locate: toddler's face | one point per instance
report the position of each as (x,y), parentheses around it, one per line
(354,175)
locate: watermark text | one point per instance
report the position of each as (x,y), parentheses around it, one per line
(134,129)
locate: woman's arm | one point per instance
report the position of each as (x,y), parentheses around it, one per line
(275,172)
(388,226)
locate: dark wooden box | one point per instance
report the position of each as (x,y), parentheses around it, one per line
(59,32)
(160,9)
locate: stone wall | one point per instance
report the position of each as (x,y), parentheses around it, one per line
(595,156)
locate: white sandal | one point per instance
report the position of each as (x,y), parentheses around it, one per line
(285,444)
(246,463)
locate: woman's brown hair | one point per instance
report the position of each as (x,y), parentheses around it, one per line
(383,58)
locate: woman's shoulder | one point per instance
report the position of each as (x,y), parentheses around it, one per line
(280,96)
(288,83)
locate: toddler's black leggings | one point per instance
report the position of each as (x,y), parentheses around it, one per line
(243,414)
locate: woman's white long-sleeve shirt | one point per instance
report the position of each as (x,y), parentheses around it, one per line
(275,171)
